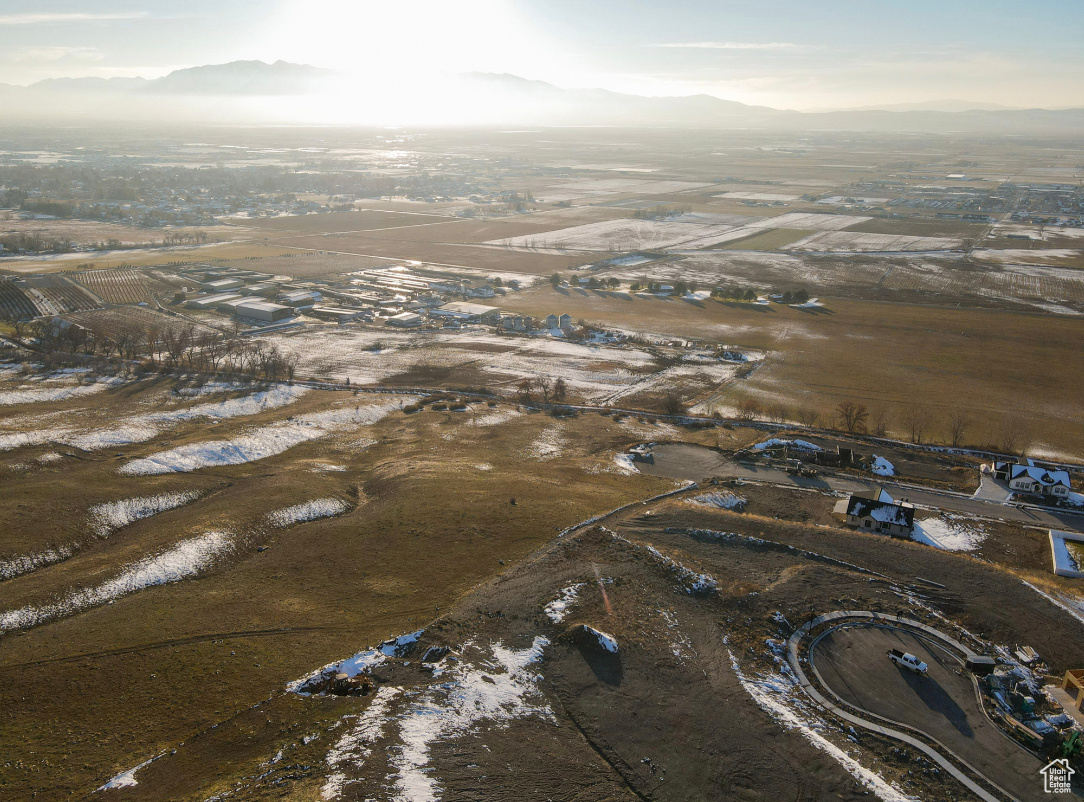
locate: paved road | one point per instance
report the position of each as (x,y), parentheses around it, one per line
(852,662)
(686,461)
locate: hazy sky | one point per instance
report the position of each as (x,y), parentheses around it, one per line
(829,53)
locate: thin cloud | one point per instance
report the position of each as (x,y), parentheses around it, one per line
(731,45)
(75,16)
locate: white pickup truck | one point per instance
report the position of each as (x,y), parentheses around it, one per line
(907,660)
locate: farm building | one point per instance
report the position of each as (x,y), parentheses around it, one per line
(552,321)
(222,284)
(514,323)
(405,320)
(565,321)
(212,301)
(461,310)
(1035,481)
(263,289)
(299,299)
(1073,684)
(881,515)
(338,313)
(263,310)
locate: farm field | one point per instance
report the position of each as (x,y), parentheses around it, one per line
(877,353)
(856,241)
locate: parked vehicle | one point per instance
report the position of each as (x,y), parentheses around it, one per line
(907,660)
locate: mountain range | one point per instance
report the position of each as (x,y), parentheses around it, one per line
(283,92)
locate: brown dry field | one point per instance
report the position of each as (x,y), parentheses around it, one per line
(165,664)
(144,257)
(996,362)
(364,220)
(769,240)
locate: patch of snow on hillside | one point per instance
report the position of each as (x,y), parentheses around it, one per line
(548,445)
(723,501)
(140,428)
(186,559)
(625,463)
(355,746)
(605,641)
(358,664)
(948,533)
(308,511)
(127,779)
(775,694)
(17,566)
(501,690)
(260,442)
(111,516)
(28,395)
(557,609)
(882,467)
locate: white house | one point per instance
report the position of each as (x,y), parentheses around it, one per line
(1035,481)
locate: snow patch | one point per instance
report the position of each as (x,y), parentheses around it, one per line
(127,779)
(881,466)
(260,442)
(557,609)
(723,501)
(111,516)
(186,559)
(308,511)
(948,533)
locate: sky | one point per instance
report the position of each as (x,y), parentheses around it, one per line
(781,53)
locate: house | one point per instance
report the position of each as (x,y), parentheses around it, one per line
(552,321)
(468,312)
(1033,480)
(881,514)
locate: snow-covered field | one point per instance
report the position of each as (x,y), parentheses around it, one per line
(626,234)
(186,559)
(261,442)
(803,221)
(593,370)
(56,386)
(859,242)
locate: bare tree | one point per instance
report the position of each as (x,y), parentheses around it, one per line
(544,386)
(560,391)
(958,422)
(778,413)
(808,416)
(526,390)
(916,417)
(852,416)
(1014,434)
(672,403)
(879,420)
(748,409)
